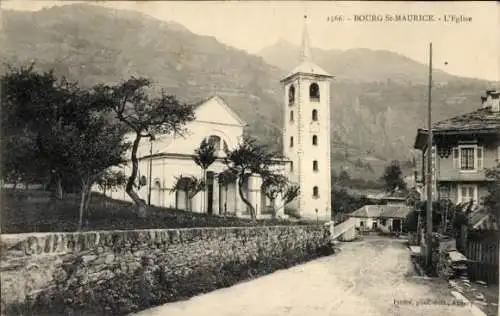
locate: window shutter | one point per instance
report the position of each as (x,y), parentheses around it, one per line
(479,154)
(455,157)
(459,193)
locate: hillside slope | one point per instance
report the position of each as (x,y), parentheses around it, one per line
(92,44)
(378,99)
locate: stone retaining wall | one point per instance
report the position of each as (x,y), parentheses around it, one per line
(117,272)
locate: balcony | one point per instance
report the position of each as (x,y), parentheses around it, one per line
(461,175)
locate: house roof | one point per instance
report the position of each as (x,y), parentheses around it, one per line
(308,67)
(367,211)
(396,195)
(382,211)
(393,211)
(486,224)
(481,219)
(224,104)
(376,196)
(482,120)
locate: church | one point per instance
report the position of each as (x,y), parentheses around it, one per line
(306,146)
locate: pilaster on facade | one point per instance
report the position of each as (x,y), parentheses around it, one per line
(216,195)
(238,203)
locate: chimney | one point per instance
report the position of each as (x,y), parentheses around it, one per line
(493,100)
(483,100)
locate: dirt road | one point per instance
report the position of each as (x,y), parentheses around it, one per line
(373,277)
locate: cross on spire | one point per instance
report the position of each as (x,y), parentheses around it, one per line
(305,51)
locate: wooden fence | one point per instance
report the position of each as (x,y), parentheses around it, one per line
(483,251)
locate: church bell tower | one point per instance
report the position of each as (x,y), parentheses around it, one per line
(306,133)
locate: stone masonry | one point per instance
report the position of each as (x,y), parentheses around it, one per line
(123,271)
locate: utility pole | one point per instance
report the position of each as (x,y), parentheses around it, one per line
(150,167)
(429,166)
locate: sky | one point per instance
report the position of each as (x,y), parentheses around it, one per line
(470,48)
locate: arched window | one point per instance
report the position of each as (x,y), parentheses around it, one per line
(291,116)
(291,95)
(143,181)
(291,141)
(314,115)
(315,192)
(215,141)
(157,183)
(315,165)
(315,140)
(314,92)
(218,143)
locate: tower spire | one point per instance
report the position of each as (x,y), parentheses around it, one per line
(305,50)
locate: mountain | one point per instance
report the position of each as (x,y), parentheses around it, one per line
(378,99)
(359,64)
(92,44)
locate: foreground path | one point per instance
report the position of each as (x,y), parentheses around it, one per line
(372,278)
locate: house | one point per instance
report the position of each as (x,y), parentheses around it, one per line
(388,214)
(463,148)
(396,197)
(367,217)
(385,217)
(168,158)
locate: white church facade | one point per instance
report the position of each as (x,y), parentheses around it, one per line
(306,142)
(167,158)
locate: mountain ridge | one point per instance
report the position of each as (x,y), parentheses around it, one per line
(374,118)
(284,54)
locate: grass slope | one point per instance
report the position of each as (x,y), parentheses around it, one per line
(24,211)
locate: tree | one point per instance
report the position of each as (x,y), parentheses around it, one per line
(445,215)
(144,117)
(62,127)
(42,113)
(19,152)
(110,180)
(247,159)
(190,185)
(34,106)
(277,184)
(90,144)
(393,177)
(413,197)
(492,200)
(344,178)
(204,157)
(101,147)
